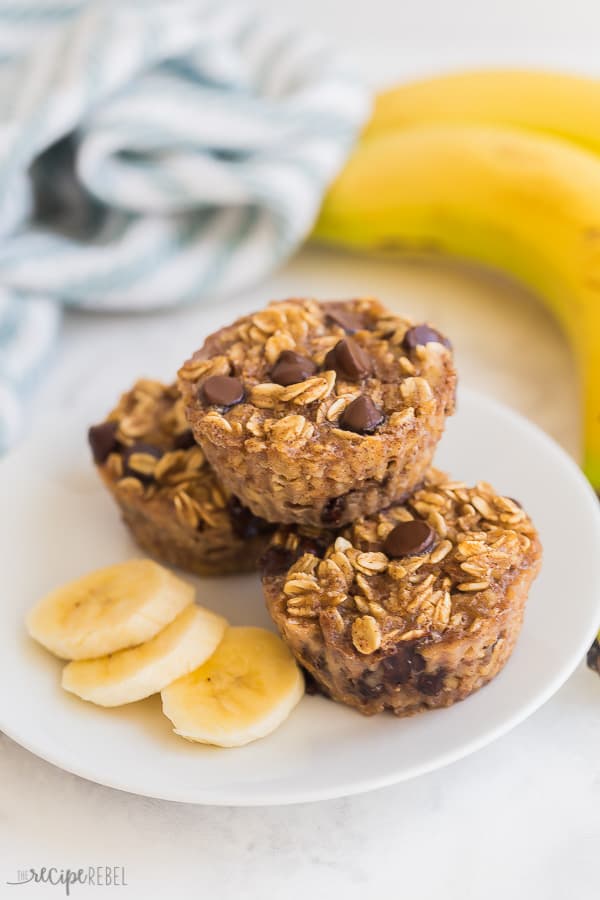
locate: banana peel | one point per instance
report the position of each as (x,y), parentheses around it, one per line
(552,103)
(500,177)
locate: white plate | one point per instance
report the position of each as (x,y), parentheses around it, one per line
(57,523)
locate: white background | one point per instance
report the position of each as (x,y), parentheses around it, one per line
(521,818)
(393,36)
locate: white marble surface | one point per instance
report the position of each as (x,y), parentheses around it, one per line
(520,818)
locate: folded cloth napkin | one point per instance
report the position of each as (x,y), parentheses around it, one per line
(152,153)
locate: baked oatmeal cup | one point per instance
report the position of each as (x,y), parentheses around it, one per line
(411,609)
(319,413)
(169,497)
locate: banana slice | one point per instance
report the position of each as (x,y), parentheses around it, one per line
(109,609)
(246,689)
(141,671)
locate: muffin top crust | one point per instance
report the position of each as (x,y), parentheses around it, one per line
(146,449)
(329,373)
(434,569)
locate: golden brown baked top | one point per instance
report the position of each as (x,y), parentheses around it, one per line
(432,569)
(328,373)
(146,449)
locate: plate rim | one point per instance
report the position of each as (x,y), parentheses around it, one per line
(362,784)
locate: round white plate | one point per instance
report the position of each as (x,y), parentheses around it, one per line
(58,522)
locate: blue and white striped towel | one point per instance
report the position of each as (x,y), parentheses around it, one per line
(152,153)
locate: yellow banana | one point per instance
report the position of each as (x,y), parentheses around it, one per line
(526,203)
(553,102)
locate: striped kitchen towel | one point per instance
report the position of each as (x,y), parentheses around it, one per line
(153,153)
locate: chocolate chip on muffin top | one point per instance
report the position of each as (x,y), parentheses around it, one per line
(291,368)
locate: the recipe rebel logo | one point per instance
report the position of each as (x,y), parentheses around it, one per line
(92,876)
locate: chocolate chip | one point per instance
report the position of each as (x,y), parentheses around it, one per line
(276,560)
(184,440)
(423,334)
(409,539)
(332,512)
(244,523)
(103,441)
(367,688)
(431,684)
(291,368)
(311,685)
(312,545)
(361,416)
(222,390)
(340,315)
(400,666)
(349,360)
(146,450)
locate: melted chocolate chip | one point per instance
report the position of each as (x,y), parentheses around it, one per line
(423,334)
(184,440)
(367,688)
(222,390)
(400,666)
(244,523)
(431,684)
(276,560)
(147,450)
(409,539)
(349,360)
(312,545)
(332,512)
(340,315)
(103,441)
(292,368)
(361,416)
(311,684)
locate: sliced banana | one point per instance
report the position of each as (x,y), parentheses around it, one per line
(246,689)
(138,672)
(109,609)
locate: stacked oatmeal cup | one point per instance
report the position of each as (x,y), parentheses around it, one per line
(299,440)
